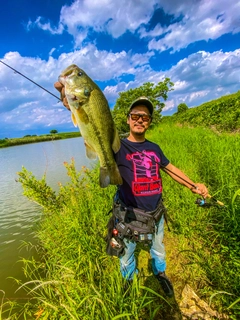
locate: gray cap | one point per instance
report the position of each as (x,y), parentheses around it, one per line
(142,101)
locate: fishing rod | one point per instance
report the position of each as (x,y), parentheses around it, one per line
(30,80)
(200,202)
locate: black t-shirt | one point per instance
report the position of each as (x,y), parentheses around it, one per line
(139,164)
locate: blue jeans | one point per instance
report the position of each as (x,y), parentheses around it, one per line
(157,252)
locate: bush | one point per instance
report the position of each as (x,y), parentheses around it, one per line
(53,131)
(182,107)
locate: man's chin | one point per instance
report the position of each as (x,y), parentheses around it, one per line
(139,133)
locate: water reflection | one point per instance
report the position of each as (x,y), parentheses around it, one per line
(18,215)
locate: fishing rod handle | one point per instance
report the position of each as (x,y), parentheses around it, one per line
(218,202)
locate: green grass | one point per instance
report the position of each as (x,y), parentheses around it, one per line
(34,138)
(75,279)
(213,233)
(222,114)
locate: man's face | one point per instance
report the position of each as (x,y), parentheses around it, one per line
(139,126)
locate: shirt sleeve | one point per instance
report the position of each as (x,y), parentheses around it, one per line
(164,159)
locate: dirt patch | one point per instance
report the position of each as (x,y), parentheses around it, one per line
(185,277)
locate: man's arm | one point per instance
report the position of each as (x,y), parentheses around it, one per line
(181,178)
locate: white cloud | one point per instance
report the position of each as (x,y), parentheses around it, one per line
(157,31)
(205,76)
(33,115)
(22,103)
(46,26)
(194,20)
(198,78)
(169,105)
(201,77)
(108,16)
(198,94)
(102,65)
(180,85)
(202,20)
(51,51)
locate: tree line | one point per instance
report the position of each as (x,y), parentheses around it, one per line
(222,113)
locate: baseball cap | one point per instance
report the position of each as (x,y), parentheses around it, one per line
(144,101)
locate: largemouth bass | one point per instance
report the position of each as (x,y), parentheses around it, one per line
(91,113)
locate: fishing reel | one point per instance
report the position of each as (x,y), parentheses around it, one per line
(204,204)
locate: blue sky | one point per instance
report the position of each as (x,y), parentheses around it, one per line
(120,45)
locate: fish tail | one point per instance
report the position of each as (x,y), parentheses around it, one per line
(110,176)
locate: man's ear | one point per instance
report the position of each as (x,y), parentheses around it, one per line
(128,119)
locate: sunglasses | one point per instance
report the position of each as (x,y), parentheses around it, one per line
(137,116)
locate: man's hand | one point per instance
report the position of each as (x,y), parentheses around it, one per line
(60,87)
(200,189)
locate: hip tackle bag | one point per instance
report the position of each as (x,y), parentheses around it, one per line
(131,223)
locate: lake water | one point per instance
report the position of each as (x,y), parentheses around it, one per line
(17,214)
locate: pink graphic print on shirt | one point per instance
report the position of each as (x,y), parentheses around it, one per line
(147,180)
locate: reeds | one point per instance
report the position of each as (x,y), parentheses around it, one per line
(213,233)
(75,279)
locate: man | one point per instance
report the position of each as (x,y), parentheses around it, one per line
(139,161)
(139,197)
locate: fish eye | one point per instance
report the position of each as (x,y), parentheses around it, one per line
(80,73)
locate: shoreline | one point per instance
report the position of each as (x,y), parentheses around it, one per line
(11,142)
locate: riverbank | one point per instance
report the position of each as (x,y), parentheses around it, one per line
(34,138)
(75,276)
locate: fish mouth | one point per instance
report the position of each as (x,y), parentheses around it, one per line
(71,97)
(64,75)
(61,79)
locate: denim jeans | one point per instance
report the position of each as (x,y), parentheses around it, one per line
(157,252)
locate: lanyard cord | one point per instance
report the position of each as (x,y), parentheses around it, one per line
(161,166)
(127,145)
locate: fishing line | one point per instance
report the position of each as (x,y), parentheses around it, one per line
(161,166)
(30,80)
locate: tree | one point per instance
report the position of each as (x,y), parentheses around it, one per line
(148,89)
(182,107)
(53,131)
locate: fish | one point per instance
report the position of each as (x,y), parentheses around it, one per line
(90,112)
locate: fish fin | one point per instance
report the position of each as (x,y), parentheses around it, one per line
(104,178)
(115,177)
(74,119)
(83,116)
(79,113)
(90,152)
(110,176)
(116,140)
